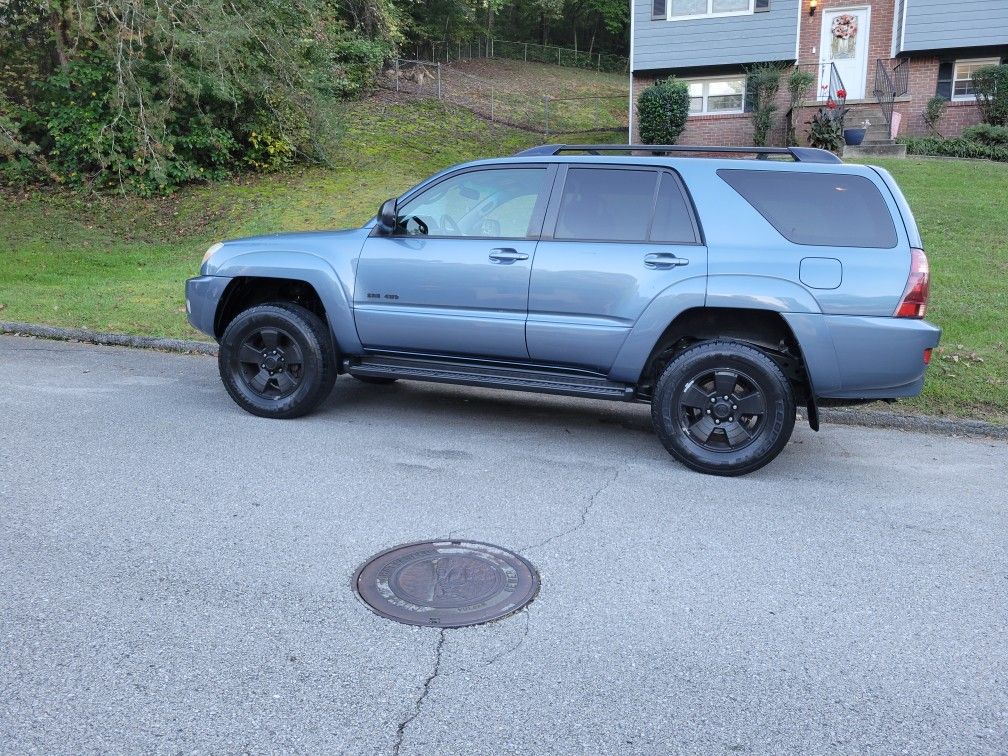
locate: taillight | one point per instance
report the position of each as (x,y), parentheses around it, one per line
(915,295)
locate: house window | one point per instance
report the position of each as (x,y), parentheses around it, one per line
(658,9)
(717,95)
(700,8)
(962,83)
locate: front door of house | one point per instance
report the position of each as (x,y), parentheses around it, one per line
(845,44)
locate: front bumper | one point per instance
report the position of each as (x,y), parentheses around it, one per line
(203,295)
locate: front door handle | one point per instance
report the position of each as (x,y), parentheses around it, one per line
(664,260)
(506,255)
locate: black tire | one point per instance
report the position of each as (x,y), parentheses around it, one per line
(714,435)
(375,380)
(294,366)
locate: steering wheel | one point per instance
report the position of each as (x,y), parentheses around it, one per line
(421,226)
(448,224)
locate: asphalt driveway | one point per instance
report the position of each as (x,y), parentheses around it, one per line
(175,575)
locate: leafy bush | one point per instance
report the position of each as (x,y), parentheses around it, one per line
(800,83)
(662,111)
(958,148)
(991,86)
(763,83)
(826,128)
(201,90)
(987,134)
(933,112)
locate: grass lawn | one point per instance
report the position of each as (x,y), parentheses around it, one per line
(117,264)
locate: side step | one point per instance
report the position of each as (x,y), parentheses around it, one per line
(541,380)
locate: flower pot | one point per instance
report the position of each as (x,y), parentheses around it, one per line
(853,137)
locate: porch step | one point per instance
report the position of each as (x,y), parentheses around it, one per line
(878,149)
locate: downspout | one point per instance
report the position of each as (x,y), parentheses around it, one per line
(630,67)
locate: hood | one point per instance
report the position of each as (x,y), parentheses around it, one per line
(336,247)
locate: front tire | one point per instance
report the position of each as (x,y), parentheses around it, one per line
(277,360)
(723,408)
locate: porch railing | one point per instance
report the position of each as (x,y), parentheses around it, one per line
(890,83)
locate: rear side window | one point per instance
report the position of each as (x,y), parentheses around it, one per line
(673,218)
(606,204)
(827,209)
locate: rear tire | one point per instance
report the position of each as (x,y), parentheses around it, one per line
(277,360)
(723,408)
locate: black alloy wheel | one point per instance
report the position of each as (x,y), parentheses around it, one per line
(723,408)
(277,360)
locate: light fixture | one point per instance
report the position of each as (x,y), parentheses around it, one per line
(812,6)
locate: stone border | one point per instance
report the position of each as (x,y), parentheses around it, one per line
(871,418)
(185,346)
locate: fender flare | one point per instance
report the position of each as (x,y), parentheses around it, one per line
(312,270)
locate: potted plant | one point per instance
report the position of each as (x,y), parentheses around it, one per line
(855,136)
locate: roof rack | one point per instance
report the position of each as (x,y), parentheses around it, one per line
(798,154)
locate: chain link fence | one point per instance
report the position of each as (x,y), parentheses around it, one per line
(510,103)
(446,51)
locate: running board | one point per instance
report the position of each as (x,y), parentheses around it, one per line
(540,380)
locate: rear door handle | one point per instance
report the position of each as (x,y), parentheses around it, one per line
(506,255)
(663,260)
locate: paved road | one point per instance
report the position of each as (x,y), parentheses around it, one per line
(175,576)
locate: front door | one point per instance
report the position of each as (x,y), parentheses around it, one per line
(454,277)
(845,44)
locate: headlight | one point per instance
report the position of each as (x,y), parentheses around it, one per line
(210,252)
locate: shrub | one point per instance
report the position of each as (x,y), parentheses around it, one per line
(763,82)
(991,86)
(203,91)
(958,148)
(826,128)
(933,112)
(987,134)
(662,111)
(800,84)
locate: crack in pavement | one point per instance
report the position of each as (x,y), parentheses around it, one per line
(585,511)
(418,704)
(497,657)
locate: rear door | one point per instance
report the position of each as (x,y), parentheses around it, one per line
(614,238)
(454,278)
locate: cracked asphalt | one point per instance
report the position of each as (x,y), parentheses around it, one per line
(175,576)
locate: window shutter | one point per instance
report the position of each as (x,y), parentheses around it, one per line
(750,97)
(761,6)
(946,72)
(658,9)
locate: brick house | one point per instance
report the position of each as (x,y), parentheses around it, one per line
(891,56)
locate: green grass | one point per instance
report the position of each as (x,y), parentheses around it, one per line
(118,263)
(962,210)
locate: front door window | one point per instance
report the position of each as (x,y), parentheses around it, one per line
(496,203)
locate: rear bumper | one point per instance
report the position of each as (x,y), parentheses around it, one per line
(202,295)
(878,357)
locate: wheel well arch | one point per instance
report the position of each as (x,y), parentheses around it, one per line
(248,291)
(764,329)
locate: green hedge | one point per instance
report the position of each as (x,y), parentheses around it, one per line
(662,110)
(958,148)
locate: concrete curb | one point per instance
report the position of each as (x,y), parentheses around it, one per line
(944,426)
(871,418)
(184,346)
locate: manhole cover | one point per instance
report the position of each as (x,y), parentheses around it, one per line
(446,583)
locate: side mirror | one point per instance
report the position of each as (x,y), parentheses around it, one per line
(387,216)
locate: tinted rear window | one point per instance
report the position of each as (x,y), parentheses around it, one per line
(828,209)
(606,204)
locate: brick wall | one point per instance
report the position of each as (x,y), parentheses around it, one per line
(732,130)
(923,81)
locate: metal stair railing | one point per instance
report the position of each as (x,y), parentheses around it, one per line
(890,84)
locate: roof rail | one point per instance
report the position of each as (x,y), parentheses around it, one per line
(798,154)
